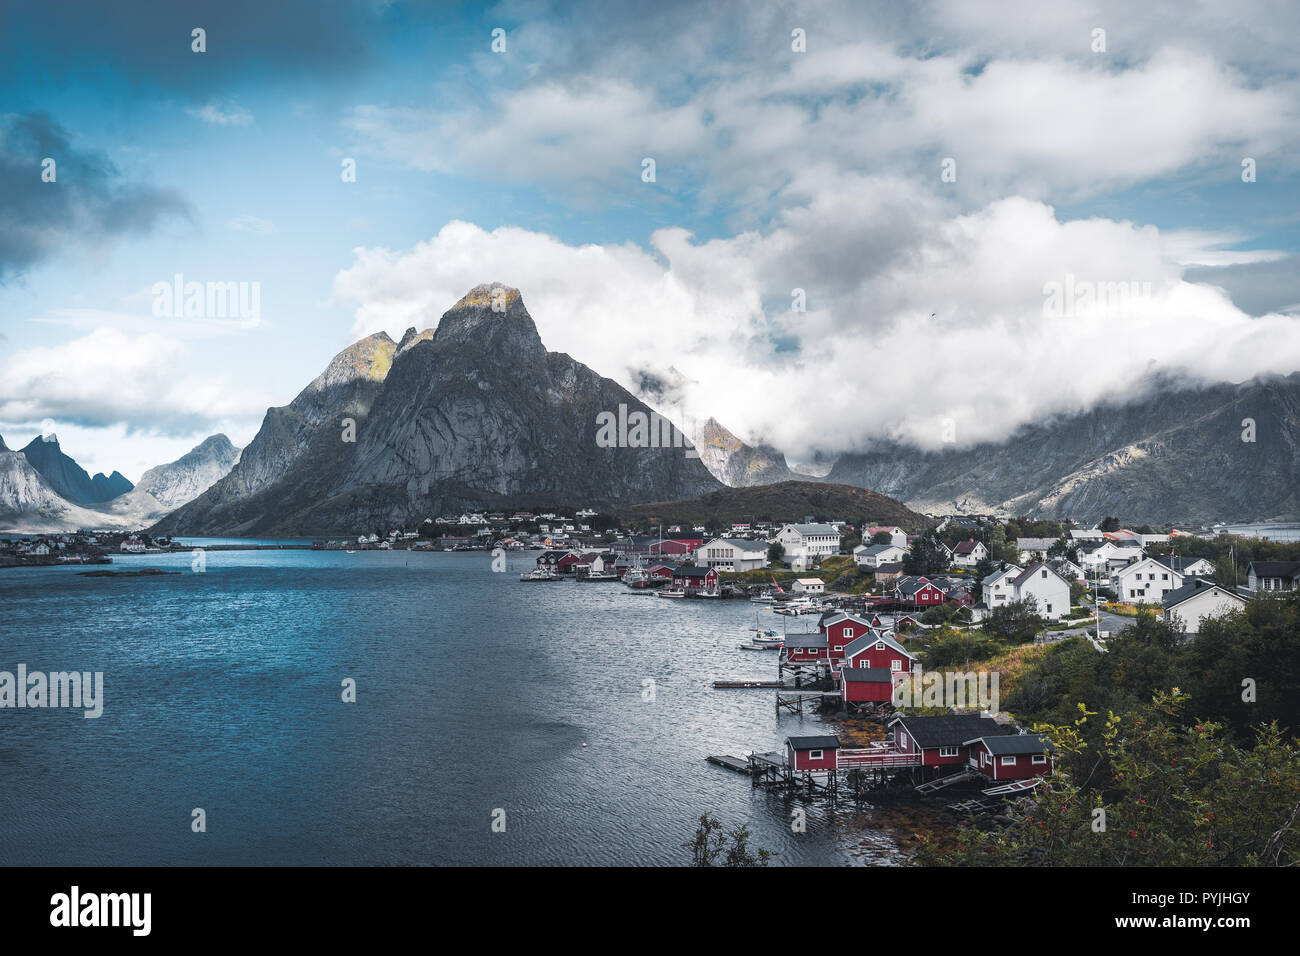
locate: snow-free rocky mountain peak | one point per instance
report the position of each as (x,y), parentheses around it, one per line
(477,414)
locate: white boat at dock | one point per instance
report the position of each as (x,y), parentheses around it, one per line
(539,574)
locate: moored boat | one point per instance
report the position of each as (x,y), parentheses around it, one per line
(539,574)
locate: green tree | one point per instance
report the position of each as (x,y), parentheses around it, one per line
(711,846)
(1017,622)
(775,553)
(1154,790)
(882,537)
(926,556)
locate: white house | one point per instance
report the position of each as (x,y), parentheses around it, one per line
(808,586)
(1273,575)
(996,587)
(133,545)
(896,535)
(807,544)
(969,553)
(1145,581)
(1187,567)
(1031,549)
(874,555)
(1044,587)
(1197,600)
(1107,555)
(732,554)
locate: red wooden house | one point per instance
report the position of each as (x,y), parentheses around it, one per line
(812,753)
(876,649)
(804,648)
(676,546)
(568,563)
(942,741)
(1010,757)
(919,592)
(690,578)
(866,685)
(662,572)
(841,630)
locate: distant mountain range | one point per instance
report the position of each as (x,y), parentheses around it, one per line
(477,414)
(68,479)
(42,489)
(1174,457)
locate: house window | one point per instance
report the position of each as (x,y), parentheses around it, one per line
(1040,758)
(1049,609)
(814,755)
(839,647)
(880,645)
(896,665)
(947,751)
(1008,761)
(848,632)
(1044,572)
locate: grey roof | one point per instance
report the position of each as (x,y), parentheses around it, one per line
(811,639)
(889,568)
(691,571)
(911,586)
(1033,569)
(744,544)
(1179,595)
(807,529)
(827,742)
(874,637)
(1035,544)
(1275,569)
(876,549)
(997,574)
(1014,744)
(868,675)
(949,730)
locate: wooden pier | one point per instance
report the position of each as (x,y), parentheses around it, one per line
(738,764)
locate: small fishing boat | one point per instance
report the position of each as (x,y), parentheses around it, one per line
(670,593)
(539,574)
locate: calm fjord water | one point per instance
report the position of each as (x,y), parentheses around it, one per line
(475,692)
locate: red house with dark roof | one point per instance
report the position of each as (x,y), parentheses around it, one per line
(866,685)
(943,740)
(919,592)
(812,753)
(876,649)
(804,648)
(1010,757)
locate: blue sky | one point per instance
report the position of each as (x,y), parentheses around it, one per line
(776,169)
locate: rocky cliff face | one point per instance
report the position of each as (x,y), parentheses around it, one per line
(737,464)
(68,479)
(1175,457)
(476,415)
(184,479)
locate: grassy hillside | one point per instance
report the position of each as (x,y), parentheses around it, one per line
(783,501)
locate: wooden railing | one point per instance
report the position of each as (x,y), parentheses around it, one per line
(847,759)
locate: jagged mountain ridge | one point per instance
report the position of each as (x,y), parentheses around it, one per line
(184,479)
(737,464)
(68,479)
(29,505)
(478,414)
(1175,456)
